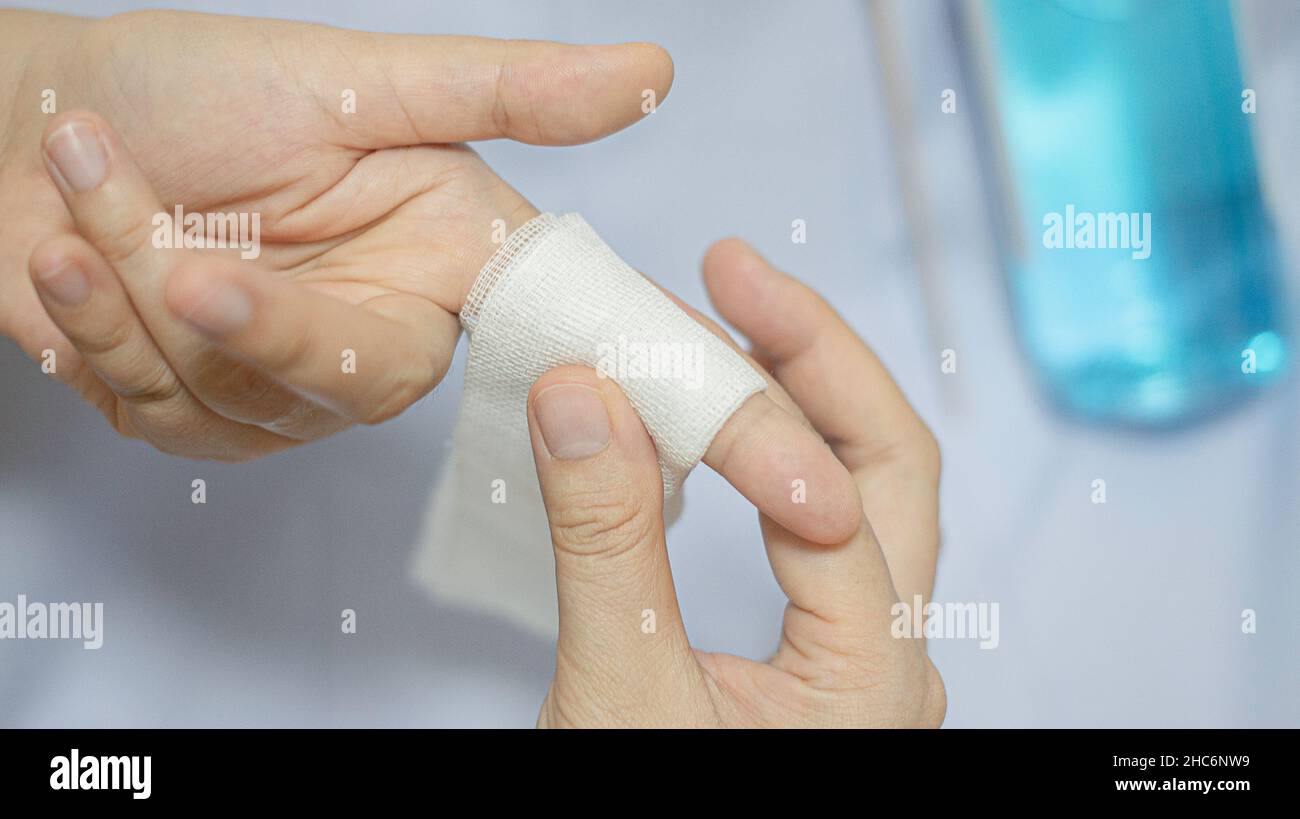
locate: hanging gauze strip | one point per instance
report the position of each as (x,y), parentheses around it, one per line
(555,294)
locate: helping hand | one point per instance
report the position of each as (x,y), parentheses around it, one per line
(837,663)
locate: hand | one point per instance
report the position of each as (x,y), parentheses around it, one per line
(373,224)
(837,663)
(372,227)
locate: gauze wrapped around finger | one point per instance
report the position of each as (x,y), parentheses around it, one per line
(556,294)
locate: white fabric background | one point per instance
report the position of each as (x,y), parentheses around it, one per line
(1128,613)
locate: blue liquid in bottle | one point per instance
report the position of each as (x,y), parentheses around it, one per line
(1134,108)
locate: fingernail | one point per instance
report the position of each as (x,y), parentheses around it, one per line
(223,310)
(78,155)
(573,421)
(66,284)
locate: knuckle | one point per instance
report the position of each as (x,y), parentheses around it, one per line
(921,449)
(933,454)
(95,40)
(239,383)
(165,436)
(303,421)
(111,36)
(935,707)
(603,522)
(501,118)
(119,416)
(123,236)
(158,386)
(756,414)
(408,387)
(118,335)
(131,20)
(243,393)
(294,352)
(166,445)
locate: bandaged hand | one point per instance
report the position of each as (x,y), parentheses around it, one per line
(372,220)
(837,663)
(373,226)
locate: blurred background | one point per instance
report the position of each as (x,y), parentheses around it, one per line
(1127,613)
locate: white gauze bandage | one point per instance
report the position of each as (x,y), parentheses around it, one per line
(555,294)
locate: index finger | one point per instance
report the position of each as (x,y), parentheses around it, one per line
(850,398)
(779,463)
(420,89)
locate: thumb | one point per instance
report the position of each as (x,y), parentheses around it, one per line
(603,492)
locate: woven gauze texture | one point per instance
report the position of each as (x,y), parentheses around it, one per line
(554,293)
